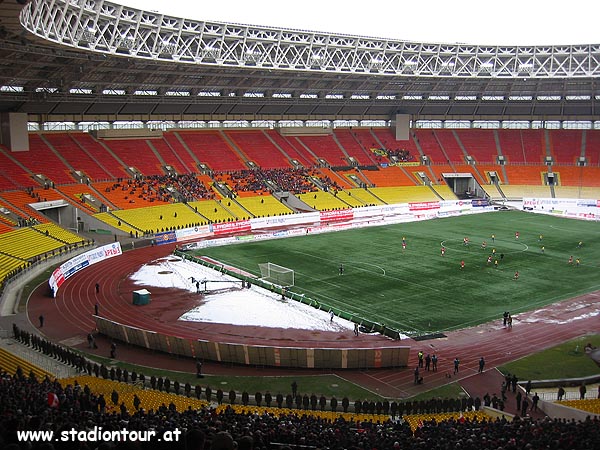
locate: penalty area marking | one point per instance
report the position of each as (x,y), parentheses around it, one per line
(351,263)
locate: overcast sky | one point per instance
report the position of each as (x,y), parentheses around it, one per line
(505,22)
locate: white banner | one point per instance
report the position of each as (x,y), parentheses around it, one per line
(74,265)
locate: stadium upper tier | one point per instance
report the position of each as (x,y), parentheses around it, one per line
(231,157)
(254,161)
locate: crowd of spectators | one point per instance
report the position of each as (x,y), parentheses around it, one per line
(289,179)
(187,185)
(25,405)
(399,154)
(142,188)
(164,188)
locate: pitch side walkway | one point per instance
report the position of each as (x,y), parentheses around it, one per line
(69,324)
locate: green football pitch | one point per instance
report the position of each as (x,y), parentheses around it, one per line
(417,290)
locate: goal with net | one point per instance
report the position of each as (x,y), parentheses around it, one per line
(279,275)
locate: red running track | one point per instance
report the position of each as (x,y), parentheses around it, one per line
(68,319)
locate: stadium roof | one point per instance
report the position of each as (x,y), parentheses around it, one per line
(95,60)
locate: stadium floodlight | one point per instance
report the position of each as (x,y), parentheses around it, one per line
(277,275)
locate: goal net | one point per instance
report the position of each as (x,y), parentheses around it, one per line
(279,275)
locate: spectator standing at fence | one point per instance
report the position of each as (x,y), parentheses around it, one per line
(534,402)
(582,391)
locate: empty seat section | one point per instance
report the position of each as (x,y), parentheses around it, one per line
(5,227)
(519,191)
(492,191)
(293,149)
(264,205)
(444,191)
(259,149)
(108,162)
(21,201)
(577,176)
(172,139)
(569,175)
(480,144)
(231,208)
(211,149)
(76,195)
(358,197)
(59,233)
(450,145)
(26,243)
(532,149)
(512,146)
(392,176)
(136,153)
(9,263)
(591,177)
(214,211)
(569,192)
(325,147)
(159,218)
(592,147)
(114,222)
(13,175)
(169,157)
(438,171)
(430,146)
(78,159)
(41,160)
(484,170)
(322,201)
(369,142)
(565,145)
(405,194)
(349,141)
(525,174)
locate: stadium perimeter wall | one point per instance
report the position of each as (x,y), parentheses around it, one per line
(247,354)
